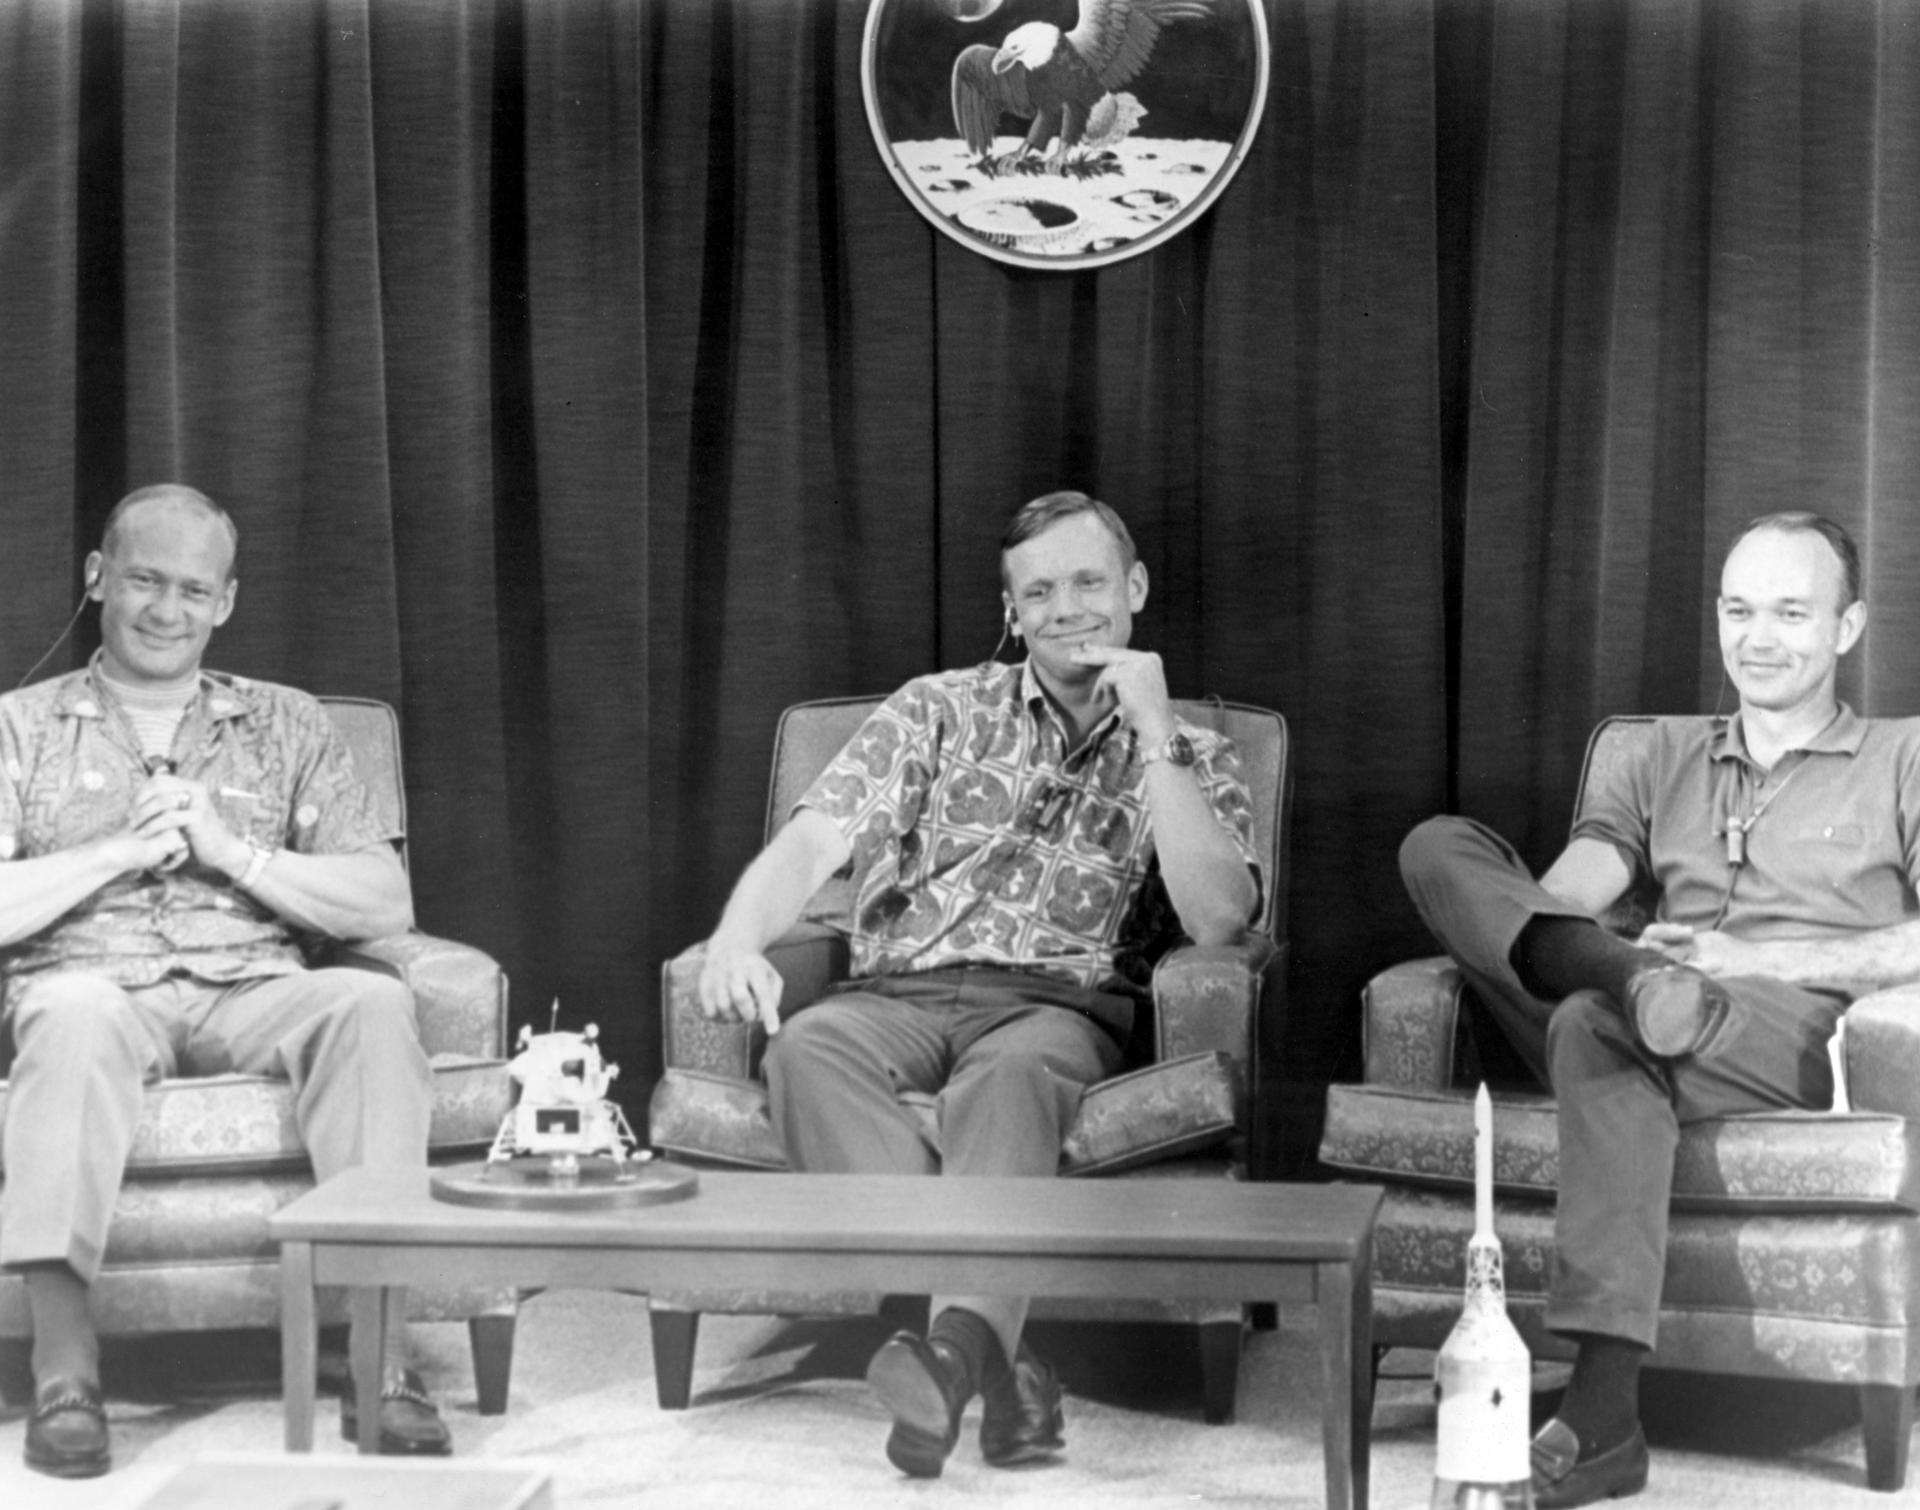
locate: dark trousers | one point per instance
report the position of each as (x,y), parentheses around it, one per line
(1620,1108)
(1004,1055)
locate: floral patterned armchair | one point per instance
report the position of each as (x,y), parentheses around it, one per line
(1183,1107)
(1795,1240)
(214,1157)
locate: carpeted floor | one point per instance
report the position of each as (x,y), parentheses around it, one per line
(781,1419)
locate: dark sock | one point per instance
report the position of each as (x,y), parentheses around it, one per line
(973,1340)
(65,1344)
(1557,956)
(1602,1403)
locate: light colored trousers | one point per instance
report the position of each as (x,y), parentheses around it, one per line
(85,1049)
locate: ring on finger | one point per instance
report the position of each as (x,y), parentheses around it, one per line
(183,801)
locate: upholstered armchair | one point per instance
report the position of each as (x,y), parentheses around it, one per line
(1182,1108)
(215,1157)
(1795,1244)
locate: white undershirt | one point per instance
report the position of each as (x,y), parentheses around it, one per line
(154,712)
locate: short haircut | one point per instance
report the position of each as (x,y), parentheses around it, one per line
(1049,509)
(170,492)
(1806,522)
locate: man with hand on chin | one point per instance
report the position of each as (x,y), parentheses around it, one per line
(1024,841)
(1785,843)
(167,836)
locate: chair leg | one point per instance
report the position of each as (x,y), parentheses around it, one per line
(674,1335)
(1886,1422)
(1219,1368)
(16,1370)
(492,1339)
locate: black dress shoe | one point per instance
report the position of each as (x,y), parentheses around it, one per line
(924,1386)
(67,1432)
(1021,1419)
(1561,1479)
(1675,1009)
(410,1424)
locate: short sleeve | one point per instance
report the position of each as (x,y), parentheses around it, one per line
(13,776)
(1617,808)
(875,788)
(1222,776)
(1907,763)
(332,812)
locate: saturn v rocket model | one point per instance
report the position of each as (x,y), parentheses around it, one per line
(1483,1378)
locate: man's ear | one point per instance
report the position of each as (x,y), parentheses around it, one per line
(1853,624)
(96,576)
(225,610)
(1137,586)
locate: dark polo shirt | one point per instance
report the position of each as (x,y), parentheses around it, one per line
(1834,846)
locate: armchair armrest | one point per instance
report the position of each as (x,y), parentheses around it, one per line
(459,992)
(808,957)
(1410,1024)
(1883,1052)
(1207,998)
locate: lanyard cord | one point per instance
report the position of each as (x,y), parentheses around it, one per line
(1739,828)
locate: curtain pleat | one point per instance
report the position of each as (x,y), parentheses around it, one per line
(583,383)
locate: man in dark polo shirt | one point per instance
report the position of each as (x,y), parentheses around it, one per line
(1786,847)
(1024,841)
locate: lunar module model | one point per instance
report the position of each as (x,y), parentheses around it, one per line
(563,1146)
(563,1113)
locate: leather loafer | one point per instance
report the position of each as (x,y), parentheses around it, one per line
(67,1432)
(1562,1480)
(1675,1009)
(924,1386)
(1021,1418)
(410,1424)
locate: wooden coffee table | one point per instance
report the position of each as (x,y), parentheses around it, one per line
(373,1229)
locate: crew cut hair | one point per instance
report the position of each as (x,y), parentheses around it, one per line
(1806,522)
(170,492)
(1049,509)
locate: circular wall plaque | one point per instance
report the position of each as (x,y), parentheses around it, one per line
(1052,134)
(526,1185)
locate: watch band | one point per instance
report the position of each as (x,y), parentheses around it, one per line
(255,865)
(1175,749)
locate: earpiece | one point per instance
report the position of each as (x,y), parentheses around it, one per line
(93,579)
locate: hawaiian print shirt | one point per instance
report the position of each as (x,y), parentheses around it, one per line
(275,770)
(977,840)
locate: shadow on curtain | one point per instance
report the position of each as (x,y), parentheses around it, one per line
(583,384)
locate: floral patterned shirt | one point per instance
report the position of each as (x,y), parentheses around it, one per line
(276,771)
(977,840)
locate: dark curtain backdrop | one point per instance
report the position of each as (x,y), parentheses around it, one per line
(583,385)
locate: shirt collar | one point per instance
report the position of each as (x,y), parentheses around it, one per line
(1033,695)
(84,696)
(1842,736)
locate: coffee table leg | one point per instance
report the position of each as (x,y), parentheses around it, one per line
(1346,1365)
(299,1360)
(367,1348)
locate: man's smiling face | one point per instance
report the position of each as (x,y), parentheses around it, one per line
(1783,627)
(1070,585)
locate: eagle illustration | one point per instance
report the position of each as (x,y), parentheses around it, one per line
(1056,78)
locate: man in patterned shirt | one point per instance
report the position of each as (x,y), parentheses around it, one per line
(1024,841)
(166,837)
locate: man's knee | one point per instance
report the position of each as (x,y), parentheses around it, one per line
(1585,1035)
(1427,853)
(370,1006)
(809,1044)
(72,1005)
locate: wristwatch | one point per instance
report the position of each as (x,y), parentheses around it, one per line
(1177,750)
